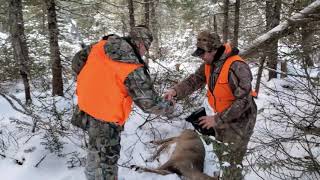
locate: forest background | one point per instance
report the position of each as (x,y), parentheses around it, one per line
(279,39)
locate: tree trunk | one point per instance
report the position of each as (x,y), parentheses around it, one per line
(225,21)
(56,67)
(146,12)
(306,39)
(154,24)
(284,69)
(273,8)
(131,13)
(306,33)
(236,23)
(259,75)
(19,44)
(272,57)
(283,29)
(215,24)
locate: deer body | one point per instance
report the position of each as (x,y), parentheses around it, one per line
(186,160)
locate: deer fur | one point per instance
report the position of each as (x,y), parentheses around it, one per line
(186,160)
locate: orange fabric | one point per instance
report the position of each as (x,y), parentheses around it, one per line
(254,93)
(100,86)
(228,48)
(222,96)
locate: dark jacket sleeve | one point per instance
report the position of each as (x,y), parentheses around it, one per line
(140,88)
(192,83)
(240,78)
(80,59)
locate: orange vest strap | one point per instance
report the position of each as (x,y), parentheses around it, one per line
(222,97)
(224,73)
(228,48)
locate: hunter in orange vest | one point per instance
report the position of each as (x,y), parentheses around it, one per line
(222,96)
(110,76)
(100,86)
(228,81)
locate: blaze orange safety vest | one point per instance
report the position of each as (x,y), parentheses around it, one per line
(222,96)
(100,86)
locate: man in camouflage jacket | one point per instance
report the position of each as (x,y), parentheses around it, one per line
(233,126)
(104,137)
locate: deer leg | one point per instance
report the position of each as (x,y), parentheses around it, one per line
(159,142)
(171,166)
(157,171)
(164,144)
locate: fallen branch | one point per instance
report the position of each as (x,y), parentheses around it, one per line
(283,29)
(40,161)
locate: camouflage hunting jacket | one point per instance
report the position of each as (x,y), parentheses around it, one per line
(138,82)
(243,108)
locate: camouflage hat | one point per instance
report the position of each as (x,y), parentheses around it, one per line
(206,42)
(141,32)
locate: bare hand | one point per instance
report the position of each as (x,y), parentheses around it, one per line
(170,94)
(208,122)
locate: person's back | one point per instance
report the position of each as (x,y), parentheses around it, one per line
(110,75)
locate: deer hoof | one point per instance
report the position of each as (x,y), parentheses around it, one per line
(136,168)
(150,159)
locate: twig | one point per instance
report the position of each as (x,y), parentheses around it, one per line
(40,161)
(288,74)
(13,105)
(256,172)
(155,61)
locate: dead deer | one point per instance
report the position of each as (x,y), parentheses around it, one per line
(186,160)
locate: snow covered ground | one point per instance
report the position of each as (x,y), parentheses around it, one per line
(134,141)
(38,163)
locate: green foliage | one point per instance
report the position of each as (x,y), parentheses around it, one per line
(8,67)
(52,142)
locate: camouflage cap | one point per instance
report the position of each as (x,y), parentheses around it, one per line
(206,42)
(141,32)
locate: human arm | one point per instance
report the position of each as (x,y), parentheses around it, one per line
(186,87)
(80,59)
(141,89)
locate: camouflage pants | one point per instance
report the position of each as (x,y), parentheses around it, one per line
(103,151)
(231,149)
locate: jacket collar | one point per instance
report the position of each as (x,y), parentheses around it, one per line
(223,52)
